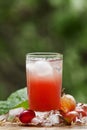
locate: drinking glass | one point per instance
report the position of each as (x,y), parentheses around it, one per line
(44,80)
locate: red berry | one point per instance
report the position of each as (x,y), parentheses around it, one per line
(26,116)
(70,116)
(84,107)
(81,112)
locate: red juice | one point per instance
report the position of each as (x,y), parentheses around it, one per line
(44,87)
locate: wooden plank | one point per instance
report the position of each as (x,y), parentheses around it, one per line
(16,127)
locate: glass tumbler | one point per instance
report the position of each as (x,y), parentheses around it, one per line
(44,80)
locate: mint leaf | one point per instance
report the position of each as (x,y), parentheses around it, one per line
(4,107)
(23,104)
(16,99)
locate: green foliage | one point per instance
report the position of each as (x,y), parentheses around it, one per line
(4,107)
(43,25)
(16,99)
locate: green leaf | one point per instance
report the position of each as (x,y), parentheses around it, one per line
(16,99)
(23,104)
(4,107)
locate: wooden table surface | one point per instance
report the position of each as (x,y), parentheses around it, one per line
(16,127)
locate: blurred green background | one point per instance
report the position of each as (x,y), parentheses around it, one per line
(43,25)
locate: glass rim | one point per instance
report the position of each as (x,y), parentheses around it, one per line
(49,54)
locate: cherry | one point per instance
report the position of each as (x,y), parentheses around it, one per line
(26,116)
(68,103)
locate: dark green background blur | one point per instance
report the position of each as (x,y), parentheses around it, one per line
(43,25)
